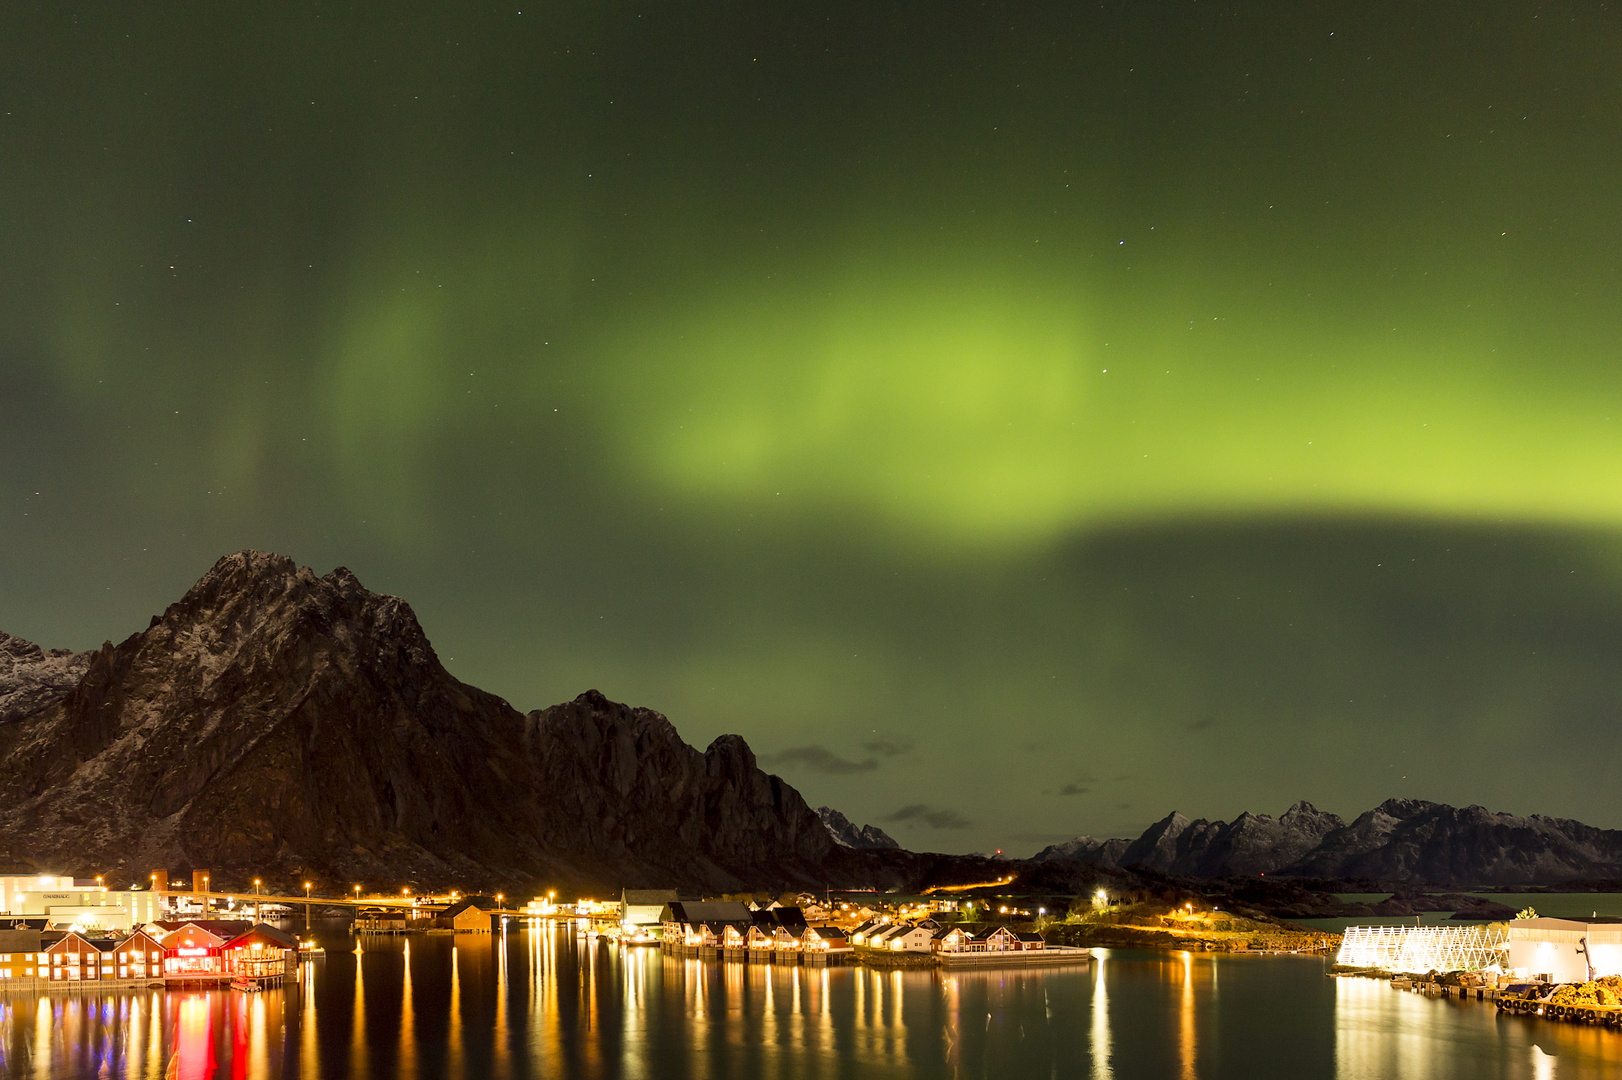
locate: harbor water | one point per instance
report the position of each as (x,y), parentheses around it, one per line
(543,1002)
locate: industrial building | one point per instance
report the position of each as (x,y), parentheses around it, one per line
(86,904)
(1565,950)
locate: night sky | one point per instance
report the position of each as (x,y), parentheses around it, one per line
(1015,420)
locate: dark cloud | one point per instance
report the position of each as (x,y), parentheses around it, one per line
(1204,723)
(818,759)
(935,819)
(1074,789)
(888,747)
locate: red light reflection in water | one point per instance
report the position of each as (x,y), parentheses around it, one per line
(194,1040)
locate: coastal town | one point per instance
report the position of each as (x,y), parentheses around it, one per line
(58,930)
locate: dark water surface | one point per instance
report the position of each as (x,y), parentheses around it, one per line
(544,1003)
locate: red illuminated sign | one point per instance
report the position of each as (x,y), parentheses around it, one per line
(192,952)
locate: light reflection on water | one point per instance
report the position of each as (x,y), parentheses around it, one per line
(544,1003)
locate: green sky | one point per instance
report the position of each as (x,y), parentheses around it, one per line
(1048,416)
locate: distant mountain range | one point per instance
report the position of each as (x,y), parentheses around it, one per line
(277,724)
(284,725)
(1401,840)
(846,834)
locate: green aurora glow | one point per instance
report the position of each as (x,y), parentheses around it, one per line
(1197,408)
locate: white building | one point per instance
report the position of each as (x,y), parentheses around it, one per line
(65,903)
(640,909)
(1565,950)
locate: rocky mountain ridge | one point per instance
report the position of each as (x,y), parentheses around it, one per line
(1401,840)
(846,834)
(291,725)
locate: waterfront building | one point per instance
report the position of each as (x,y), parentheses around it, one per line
(1418,949)
(19,952)
(262,952)
(997,939)
(950,939)
(910,937)
(822,939)
(139,956)
(79,902)
(382,920)
(1565,950)
(194,951)
(867,929)
(76,958)
(699,923)
(468,916)
(643,908)
(1029,941)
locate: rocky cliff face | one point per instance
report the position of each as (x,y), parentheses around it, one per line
(847,835)
(284,724)
(31,678)
(1401,840)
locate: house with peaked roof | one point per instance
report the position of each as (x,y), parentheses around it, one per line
(470,915)
(261,953)
(822,939)
(702,924)
(195,951)
(641,908)
(77,957)
(996,939)
(910,938)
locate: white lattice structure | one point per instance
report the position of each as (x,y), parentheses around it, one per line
(1423,948)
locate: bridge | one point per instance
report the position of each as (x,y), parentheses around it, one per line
(428,905)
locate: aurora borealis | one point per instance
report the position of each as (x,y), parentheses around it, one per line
(1015,420)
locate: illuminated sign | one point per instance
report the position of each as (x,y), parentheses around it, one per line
(192,952)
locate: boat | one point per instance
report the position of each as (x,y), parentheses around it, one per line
(240,983)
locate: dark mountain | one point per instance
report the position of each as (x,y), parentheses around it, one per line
(1436,844)
(279,724)
(846,834)
(1084,849)
(1401,840)
(31,678)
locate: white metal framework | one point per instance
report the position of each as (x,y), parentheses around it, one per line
(1424,948)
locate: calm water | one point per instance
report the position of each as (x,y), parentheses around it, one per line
(543,1003)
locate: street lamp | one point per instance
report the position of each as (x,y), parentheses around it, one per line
(255,899)
(306,907)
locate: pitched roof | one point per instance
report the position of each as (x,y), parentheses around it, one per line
(1026,936)
(791,918)
(828,933)
(268,933)
(224,929)
(647,897)
(705,911)
(100,944)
